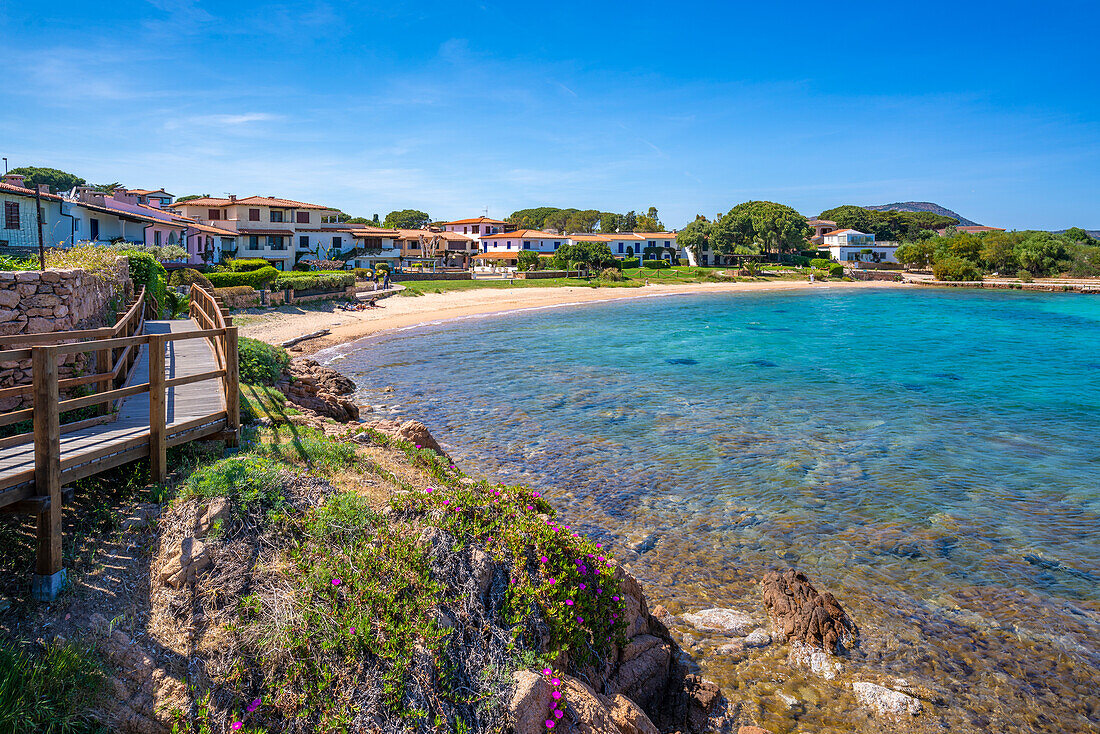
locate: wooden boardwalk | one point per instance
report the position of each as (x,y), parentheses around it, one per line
(83,450)
(155,384)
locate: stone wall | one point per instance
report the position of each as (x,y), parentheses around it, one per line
(407,276)
(37,302)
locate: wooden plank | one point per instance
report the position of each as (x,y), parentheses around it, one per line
(47,458)
(16,440)
(54,337)
(21,487)
(15,416)
(14,354)
(200,377)
(14,392)
(195,423)
(113,447)
(214,429)
(122,392)
(87,470)
(158,458)
(38,504)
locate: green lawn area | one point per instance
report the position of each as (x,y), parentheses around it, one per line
(633,278)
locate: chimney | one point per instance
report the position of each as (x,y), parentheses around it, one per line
(232,197)
(14,179)
(44,189)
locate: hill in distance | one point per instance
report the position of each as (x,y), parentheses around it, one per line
(922,206)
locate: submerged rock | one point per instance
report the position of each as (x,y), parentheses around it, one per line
(810,658)
(722,621)
(799,612)
(886,701)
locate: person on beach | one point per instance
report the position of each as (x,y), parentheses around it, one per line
(811,277)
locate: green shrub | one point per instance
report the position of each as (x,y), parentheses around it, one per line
(315,280)
(953,267)
(836,270)
(527,260)
(611,274)
(821,263)
(382,267)
(630,262)
(52,692)
(189,276)
(654,264)
(254,482)
(1025,276)
(260,362)
(363,274)
(258,279)
(246,264)
(799,260)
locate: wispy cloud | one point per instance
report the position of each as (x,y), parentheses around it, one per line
(223,120)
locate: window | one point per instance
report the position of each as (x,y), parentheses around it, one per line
(253,242)
(556,245)
(526,244)
(464,230)
(620,248)
(276,215)
(253,215)
(214,214)
(337,242)
(276,242)
(477,229)
(156,237)
(330,219)
(302,218)
(11,215)
(668,243)
(303,241)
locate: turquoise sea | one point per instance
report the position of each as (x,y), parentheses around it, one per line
(931,457)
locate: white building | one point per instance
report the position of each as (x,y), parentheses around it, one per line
(477,227)
(850,245)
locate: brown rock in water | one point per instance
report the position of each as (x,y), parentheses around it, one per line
(314,387)
(799,612)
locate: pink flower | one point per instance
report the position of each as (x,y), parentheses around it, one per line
(614,598)
(557,713)
(546,671)
(446,502)
(428,490)
(544,559)
(529,507)
(351,630)
(549,724)
(568,602)
(566,527)
(418,446)
(556,695)
(256,704)
(336,582)
(598,545)
(555,682)
(535,494)
(580,619)
(236,725)
(553,581)
(582,587)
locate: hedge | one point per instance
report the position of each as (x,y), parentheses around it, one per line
(257,279)
(189,276)
(836,270)
(630,262)
(821,263)
(245,264)
(655,264)
(315,280)
(235,290)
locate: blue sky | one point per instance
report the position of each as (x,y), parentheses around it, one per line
(991,109)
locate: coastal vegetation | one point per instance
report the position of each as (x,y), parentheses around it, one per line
(748,230)
(553,219)
(890,225)
(1027,254)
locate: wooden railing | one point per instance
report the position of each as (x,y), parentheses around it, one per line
(209,313)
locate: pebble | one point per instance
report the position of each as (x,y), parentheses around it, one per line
(758,638)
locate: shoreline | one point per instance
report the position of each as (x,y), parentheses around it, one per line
(402,312)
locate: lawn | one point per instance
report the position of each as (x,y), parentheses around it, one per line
(633,278)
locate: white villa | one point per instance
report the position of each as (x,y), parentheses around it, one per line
(477,227)
(850,245)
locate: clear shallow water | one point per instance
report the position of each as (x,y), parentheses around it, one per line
(931,457)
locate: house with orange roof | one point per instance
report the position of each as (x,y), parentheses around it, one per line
(153,197)
(821,227)
(477,227)
(19,216)
(281,231)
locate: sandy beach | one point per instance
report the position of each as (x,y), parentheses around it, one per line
(281,324)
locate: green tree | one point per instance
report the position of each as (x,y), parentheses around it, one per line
(592,255)
(610,222)
(55,179)
(531,218)
(696,236)
(528,260)
(189,197)
(953,267)
(1076,234)
(407,219)
(849,217)
(756,226)
(1038,252)
(998,252)
(915,254)
(629,222)
(649,222)
(582,221)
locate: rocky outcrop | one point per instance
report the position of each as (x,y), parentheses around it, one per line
(141,693)
(320,389)
(185,563)
(414,432)
(800,612)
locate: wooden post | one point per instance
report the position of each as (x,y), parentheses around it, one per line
(232,386)
(103,360)
(158,456)
(49,577)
